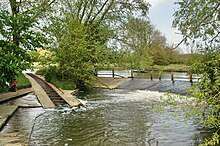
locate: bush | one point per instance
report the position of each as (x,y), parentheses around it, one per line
(52,73)
(54,76)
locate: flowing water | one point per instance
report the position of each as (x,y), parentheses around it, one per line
(116,118)
(120,117)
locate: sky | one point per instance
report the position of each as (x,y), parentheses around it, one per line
(161,16)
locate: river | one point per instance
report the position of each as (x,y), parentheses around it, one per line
(116,118)
(120,117)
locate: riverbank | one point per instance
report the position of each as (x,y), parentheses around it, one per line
(22,83)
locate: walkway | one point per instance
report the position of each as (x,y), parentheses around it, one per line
(6,111)
(9,95)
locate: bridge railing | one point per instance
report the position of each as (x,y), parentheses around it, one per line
(112,74)
(173,77)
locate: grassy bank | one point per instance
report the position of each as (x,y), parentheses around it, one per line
(22,81)
(65,85)
(171,67)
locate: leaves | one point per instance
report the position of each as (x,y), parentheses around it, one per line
(199,20)
(18,35)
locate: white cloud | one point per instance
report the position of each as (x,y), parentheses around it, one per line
(155,3)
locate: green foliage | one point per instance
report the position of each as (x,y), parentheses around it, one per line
(17,36)
(11,63)
(137,42)
(52,75)
(213,141)
(209,91)
(41,72)
(198,21)
(164,56)
(42,58)
(22,82)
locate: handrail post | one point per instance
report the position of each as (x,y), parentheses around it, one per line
(160,75)
(113,73)
(190,77)
(132,76)
(151,75)
(172,77)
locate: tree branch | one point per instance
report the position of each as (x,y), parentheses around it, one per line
(100,10)
(91,10)
(106,10)
(83,12)
(79,8)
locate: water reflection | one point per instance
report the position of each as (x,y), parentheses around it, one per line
(115,117)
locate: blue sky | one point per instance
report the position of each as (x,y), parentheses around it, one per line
(160,14)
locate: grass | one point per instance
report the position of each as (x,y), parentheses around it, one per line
(22,81)
(65,85)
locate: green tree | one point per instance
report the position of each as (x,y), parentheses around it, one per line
(199,23)
(83,29)
(161,53)
(136,41)
(18,35)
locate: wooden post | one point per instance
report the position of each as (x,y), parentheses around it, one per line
(113,73)
(160,75)
(151,75)
(190,77)
(132,76)
(172,77)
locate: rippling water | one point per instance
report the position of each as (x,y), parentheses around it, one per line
(116,118)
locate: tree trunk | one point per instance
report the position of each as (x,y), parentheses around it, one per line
(15,10)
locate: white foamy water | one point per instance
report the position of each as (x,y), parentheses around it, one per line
(139,95)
